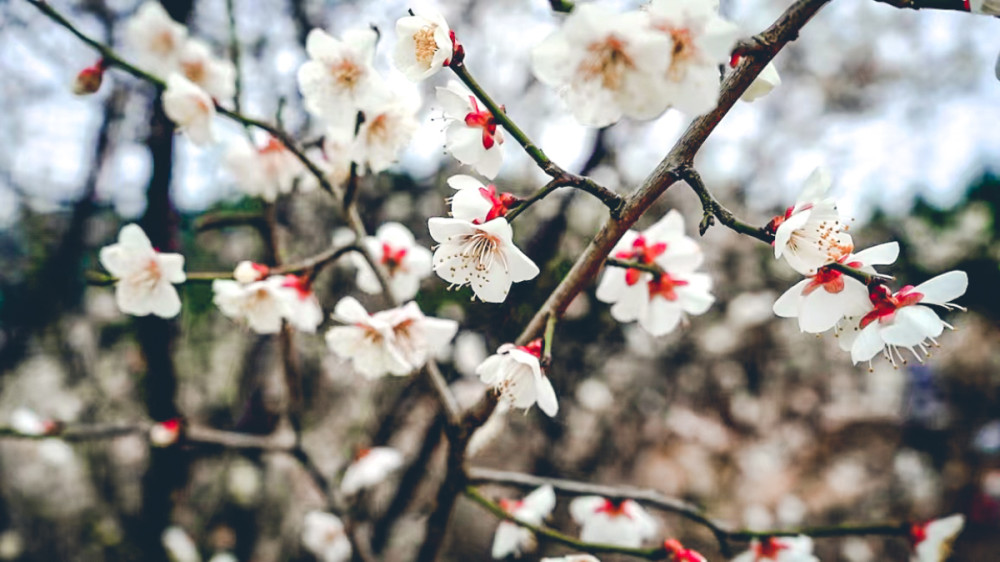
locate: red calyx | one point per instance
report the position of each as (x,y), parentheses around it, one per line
(273,145)
(830,279)
(769,548)
(500,203)
(734,60)
(510,506)
(642,253)
(613,508)
(772,226)
(918,533)
(665,286)
(301,283)
(392,258)
(681,554)
(886,303)
(534,347)
(482,118)
(457,50)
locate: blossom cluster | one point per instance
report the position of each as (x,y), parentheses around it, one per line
(869,319)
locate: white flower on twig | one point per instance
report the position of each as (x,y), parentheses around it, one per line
(370,467)
(190,108)
(217,76)
(263,172)
(512,539)
(515,373)
(144,276)
(154,38)
(472,135)
(612,521)
(339,78)
(811,233)
(424,44)
(779,549)
(405,261)
(323,534)
(932,541)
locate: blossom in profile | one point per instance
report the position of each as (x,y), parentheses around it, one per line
(821,300)
(619,522)
(165,433)
(190,108)
(396,341)
(217,76)
(811,233)
(515,374)
(932,541)
(154,39)
(144,276)
(478,203)
(903,320)
(779,549)
(179,545)
(247,272)
(659,301)
(371,467)
(472,136)
(404,261)
(767,80)
(424,44)
(27,422)
(265,171)
(605,65)
(339,77)
(324,536)
(510,538)
(482,256)
(701,43)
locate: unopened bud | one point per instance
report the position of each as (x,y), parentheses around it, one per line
(249,272)
(88,81)
(165,433)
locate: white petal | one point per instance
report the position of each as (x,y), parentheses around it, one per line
(790,302)
(541,501)
(944,288)
(349,311)
(546,396)
(867,344)
(883,254)
(912,325)
(661,317)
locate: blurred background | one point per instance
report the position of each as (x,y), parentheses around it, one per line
(737,412)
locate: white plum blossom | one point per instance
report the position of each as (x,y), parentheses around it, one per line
(396,341)
(658,301)
(144,276)
(339,78)
(263,172)
(615,522)
(932,541)
(217,76)
(471,136)
(370,467)
(190,108)
(179,545)
(323,535)
(605,65)
(990,7)
(424,44)
(388,127)
(811,233)
(515,373)
(405,261)
(779,549)
(478,203)
(482,256)
(902,319)
(573,558)
(767,80)
(820,300)
(299,304)
(511,538)
(702,41)
(154,38)
(258,303)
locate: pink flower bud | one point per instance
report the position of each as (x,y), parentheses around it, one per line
(88,81)
(165,433)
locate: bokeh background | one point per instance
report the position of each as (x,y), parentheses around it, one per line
(738,412)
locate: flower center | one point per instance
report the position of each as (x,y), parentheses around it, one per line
(425,44)
(346,73)
(194,70)
(378,128)
(606,61)
(392,258)
(484,119)
(886,304)
(482,249)
(684,51)
(641,252)
(768,549)
(162,43)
